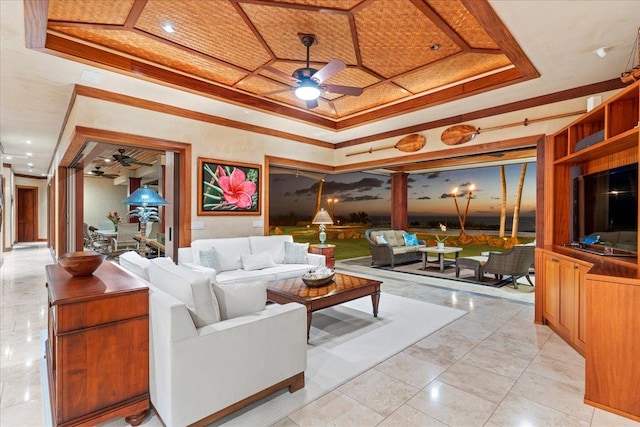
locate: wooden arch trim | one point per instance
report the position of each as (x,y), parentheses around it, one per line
(82,135)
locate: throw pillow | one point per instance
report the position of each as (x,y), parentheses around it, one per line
(257,261)
(381,240)
(295,253)
(209,258)
(190,287)
(238,299)
(410,239)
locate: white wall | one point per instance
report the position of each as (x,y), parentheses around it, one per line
(100,197)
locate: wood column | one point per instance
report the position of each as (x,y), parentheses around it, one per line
(399,219)
(134,184)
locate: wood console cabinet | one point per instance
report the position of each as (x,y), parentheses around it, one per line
(98,346)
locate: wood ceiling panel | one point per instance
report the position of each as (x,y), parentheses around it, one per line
(202,33)
(97,12)
(374,97)
(157,52)
(385,43)
(459,19)
(279,27)
(451,70)
(399,39)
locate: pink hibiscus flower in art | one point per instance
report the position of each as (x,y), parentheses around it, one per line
(236,189)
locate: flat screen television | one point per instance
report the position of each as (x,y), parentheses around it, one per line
(605,201)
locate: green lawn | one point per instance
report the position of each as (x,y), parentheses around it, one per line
(352,248)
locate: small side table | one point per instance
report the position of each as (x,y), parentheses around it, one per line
(327,250)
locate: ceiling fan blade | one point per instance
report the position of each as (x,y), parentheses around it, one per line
(345,90)
(313,103)
(273,92)
(135,162)
(279,73)
(329,70)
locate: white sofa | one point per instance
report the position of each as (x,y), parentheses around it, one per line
(235,253)
(201,369)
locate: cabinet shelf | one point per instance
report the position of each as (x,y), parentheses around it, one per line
(623,141)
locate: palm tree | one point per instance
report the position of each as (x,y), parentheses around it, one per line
(516,208)
(503,201)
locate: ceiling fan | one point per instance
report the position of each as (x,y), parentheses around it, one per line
(99,172)
(309,80)
(127,161)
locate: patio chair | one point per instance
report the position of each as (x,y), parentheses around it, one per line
(93,241)
(515,263)
(125,238)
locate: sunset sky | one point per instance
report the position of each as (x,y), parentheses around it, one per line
(429,194)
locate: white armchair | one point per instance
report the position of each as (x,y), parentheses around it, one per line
(199,374)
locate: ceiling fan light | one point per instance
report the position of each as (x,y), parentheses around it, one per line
(307,93)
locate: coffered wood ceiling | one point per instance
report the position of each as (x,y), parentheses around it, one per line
(405,54)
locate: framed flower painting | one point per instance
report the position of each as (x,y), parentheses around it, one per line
(226,188)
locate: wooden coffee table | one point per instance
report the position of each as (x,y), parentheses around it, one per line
(343,288)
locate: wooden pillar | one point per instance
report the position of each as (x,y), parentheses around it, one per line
(399,219)
(134,184)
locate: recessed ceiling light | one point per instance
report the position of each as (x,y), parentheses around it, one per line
(602,51)
(30,165)
(8,157)
(29,154)
(168,27)
(107,160)
(435,46)
(27,142)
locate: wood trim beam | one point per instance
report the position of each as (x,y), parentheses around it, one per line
(493,25)
(538,101)
(193,115)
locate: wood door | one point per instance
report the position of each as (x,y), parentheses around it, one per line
(27,214)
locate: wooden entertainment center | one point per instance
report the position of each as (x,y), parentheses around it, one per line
(592,301)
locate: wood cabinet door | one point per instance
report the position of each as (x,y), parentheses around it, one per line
(551,309)
(581,309)
(568,315)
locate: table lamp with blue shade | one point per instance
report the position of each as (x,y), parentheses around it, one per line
(322,218)
(146,201)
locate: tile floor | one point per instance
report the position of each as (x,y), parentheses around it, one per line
(492,367)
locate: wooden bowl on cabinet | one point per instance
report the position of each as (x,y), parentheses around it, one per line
(80,264)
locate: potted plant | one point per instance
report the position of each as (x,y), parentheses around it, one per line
(441,239)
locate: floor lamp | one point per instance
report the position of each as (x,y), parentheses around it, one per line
(148,201)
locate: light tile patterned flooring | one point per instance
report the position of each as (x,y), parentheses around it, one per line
(492,367)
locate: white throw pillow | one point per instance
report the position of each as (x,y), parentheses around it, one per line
(381,240)
(238,299)
(189,286)
(209,258)
(257,261)
(295,253)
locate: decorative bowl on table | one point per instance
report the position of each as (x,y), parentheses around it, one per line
(80,264)
(318,277)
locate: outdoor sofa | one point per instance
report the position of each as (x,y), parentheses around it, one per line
(389,247)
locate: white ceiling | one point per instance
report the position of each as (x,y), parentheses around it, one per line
(559,37)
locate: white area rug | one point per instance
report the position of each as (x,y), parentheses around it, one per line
(345,341)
